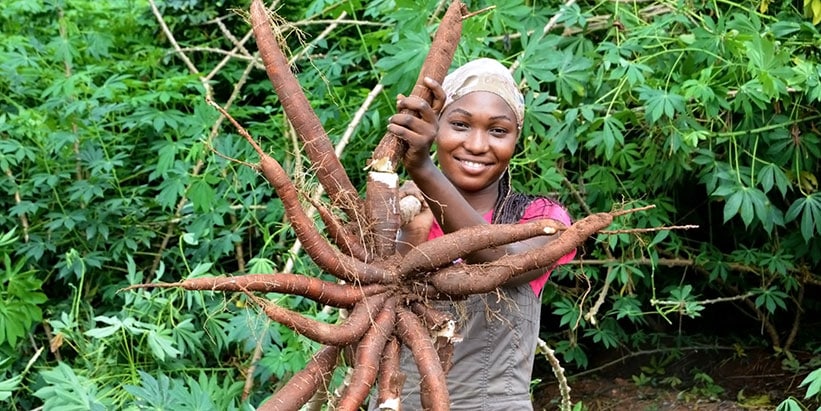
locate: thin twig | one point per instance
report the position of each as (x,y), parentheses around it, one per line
(632,210)
(704,302)
(257,62)
(439,6)
(171,39)
(799,303)
(169,231)
(645,352)
(308,47)
(255,357)
(648,229)
(555,19)
(478,12)
(17,200)
(549,26)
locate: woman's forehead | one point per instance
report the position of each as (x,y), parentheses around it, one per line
(484,103)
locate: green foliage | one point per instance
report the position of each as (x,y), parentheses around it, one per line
(20,295)
(813,384)
(190,394)
(707,111)
(65,390)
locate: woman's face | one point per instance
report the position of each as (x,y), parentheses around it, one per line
(476,139)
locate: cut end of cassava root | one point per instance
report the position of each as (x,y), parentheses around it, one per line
(391,404)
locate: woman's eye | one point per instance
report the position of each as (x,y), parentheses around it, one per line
(459,125)
(498,132)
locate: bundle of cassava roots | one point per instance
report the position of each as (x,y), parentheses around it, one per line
(385,294)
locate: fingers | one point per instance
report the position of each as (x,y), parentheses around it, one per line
(412,103)
(438,94)
(419,108)
(416,122)
(411,128)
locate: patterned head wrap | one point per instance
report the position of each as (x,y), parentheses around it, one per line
(485,74)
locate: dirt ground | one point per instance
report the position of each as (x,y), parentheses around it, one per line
(695,380)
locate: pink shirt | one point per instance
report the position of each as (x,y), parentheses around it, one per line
(538,209)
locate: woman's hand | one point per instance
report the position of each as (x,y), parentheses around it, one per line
(417,123)
(416,230)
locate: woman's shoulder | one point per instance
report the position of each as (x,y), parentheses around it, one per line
(544,207)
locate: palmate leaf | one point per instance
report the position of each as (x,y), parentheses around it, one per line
(8,386)
(768,64)
(814,383)
(571,74)
(153,393)
(771,298)
(609,137)
(809,208)
(65,390)
(20,297)
(771,175)
(749,203)
(660,103)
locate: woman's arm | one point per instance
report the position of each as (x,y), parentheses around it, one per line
(418,126)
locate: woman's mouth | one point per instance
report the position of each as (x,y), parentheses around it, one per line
(473,165)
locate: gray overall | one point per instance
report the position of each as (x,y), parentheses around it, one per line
(492,365)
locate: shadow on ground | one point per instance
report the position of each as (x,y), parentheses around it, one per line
(724,379)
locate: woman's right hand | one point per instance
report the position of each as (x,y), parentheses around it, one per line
(417,123)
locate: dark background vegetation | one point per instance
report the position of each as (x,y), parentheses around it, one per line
(707,110)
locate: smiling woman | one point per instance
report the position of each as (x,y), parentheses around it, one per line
(475,120)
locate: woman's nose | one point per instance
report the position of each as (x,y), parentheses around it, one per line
(476,141)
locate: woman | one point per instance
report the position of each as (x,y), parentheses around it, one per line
(475,121)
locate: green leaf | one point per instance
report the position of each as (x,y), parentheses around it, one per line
(608,138)
(65,390)
(571,74)
(813,383)
(154,394)
(102,332)
(202,195)
(809,208)
(660,103)
(8,386)
(165,159)
(162,344)
(771,175)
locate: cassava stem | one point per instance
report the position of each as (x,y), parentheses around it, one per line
(318,146)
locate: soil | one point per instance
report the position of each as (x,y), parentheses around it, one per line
(726,379)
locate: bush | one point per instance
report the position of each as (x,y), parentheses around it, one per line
(706,111)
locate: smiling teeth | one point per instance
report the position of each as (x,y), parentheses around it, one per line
(472,164)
